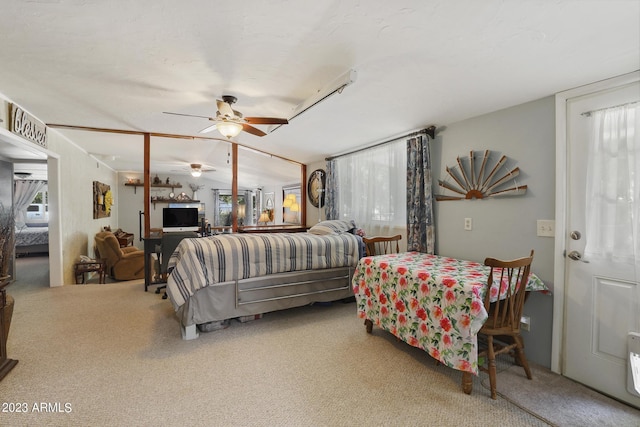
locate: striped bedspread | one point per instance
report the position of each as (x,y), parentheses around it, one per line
(197,263)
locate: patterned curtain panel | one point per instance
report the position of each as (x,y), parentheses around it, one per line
(421,235)
(331,191)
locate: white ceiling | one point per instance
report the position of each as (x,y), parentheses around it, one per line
(119,64)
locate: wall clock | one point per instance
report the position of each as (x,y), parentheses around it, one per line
(315,188)
(479,177)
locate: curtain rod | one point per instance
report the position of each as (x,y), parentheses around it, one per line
(588,113)
(430,131)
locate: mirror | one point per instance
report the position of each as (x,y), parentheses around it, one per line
(172,181)
(261,181)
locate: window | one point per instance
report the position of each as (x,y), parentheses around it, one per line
(372,187)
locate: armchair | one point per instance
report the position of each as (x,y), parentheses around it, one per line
(122,263)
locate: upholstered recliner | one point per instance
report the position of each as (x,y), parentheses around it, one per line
(122,263)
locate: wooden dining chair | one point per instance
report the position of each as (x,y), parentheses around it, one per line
(382,245)
(502,328)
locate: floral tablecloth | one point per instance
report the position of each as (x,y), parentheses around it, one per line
(428,301)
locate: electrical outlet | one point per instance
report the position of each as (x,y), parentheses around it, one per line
(467,224)
(546,228)
(525,323)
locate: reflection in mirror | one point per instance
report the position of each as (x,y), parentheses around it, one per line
(291,204)
(261,180)
(214,158)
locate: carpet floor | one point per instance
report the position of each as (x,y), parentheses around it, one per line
(105,355)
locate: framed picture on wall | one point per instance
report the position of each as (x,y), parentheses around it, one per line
(102,200)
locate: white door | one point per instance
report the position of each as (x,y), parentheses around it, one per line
(602,302)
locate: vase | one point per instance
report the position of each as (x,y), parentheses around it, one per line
(195,195)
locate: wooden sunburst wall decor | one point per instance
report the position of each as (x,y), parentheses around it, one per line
(479,177)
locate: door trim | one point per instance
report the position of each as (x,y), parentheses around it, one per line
(559,275)
(56,277)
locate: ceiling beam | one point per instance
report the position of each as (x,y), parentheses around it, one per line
(162,135)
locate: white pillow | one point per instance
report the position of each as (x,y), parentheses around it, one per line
(336,226)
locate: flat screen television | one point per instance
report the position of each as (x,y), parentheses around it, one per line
(179,219)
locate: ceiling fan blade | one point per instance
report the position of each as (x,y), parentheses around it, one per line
(266,121)
(252,130)
(188,115)
(208,129)
(225,109)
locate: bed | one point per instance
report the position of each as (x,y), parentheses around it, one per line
(217,278)
(31,240)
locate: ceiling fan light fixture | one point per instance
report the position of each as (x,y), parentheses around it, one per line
(196,170)
(229,129)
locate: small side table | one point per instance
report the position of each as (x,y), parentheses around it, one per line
(125,239)
(95,265)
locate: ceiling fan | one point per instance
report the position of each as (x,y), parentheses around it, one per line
(196,169)
(230,122)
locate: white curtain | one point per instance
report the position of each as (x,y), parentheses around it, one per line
(24,192)
(373,187)
(613,185)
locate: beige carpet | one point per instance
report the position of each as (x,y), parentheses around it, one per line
(106,355)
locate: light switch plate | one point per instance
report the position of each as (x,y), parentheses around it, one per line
(546,228)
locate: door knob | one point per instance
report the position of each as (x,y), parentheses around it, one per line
(575,235)
(575,255)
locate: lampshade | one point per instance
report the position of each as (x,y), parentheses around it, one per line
(241,210)
(264,217)
(289,200)
(229,129)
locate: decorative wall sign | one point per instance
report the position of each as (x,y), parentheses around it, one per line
(315,187)
(27,126)
(102,200)
(478,177)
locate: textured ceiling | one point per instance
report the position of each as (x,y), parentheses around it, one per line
(119,64)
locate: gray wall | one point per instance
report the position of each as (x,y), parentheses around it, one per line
(505,228)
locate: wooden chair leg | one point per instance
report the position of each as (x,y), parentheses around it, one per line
(491,356)
(521,356)
(368,325)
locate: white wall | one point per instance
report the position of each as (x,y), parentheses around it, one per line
(505,227)
(78,170)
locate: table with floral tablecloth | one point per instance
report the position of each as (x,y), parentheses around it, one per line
(431,302)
